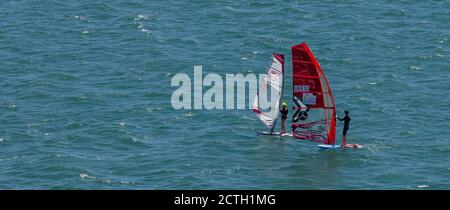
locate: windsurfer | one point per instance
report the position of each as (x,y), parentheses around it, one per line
(346,120)
(284,112)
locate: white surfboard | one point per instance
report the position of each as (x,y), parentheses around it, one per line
(329,146)
(267,133)
(347,146)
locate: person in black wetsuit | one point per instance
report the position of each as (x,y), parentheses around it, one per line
(346,120)
(284,112)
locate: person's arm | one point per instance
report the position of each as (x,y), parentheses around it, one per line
(340,119)
(344,118)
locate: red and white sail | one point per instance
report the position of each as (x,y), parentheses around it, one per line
(274,84)
(314,118)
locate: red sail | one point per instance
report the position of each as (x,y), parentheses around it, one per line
(314,118)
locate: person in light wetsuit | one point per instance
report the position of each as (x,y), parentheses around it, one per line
(284,112)
(346,120)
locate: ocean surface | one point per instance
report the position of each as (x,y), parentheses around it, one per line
(85,90)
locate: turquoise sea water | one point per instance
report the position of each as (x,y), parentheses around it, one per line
(85,94)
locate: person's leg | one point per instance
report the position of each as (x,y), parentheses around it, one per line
(283,126)
(344,137)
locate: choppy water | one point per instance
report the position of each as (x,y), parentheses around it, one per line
(85,94)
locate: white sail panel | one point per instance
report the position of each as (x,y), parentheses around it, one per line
(274,83)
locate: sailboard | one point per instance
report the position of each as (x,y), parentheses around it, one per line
(315,111)
(274,84)
(329,146)
(333,147)
(275,133)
